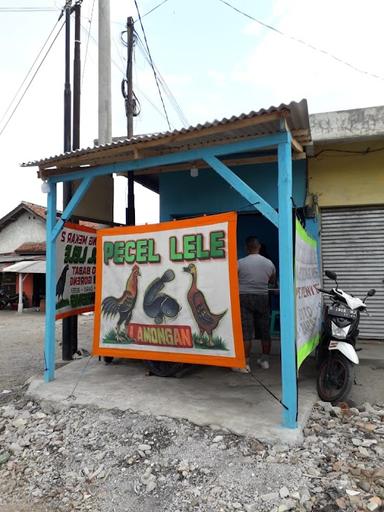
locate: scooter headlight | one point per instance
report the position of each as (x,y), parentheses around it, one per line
(341,322)
(339,332)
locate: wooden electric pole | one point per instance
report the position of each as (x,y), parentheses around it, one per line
(71,127)
(67,329)
(129,110)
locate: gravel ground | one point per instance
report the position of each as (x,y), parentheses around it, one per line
(80,459)
(112,461)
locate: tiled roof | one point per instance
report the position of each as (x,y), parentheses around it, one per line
(31,248)
(38,210)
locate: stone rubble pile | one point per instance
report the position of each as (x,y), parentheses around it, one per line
(79,459)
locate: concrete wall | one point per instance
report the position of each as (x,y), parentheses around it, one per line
(180,194)
(340,178)
(347,124)
(27,228)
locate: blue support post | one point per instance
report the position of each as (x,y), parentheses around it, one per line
(243,188)
(287,297)
(75,199)
(50,294)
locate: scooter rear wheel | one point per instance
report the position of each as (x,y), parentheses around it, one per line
(335,378)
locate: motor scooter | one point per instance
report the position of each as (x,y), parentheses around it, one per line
(7,300)
(336,353)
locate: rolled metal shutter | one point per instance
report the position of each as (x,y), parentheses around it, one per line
(352,245)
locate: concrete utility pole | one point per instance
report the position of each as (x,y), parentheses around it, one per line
(105,111)
(129,109)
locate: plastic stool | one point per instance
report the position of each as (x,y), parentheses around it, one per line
(274,329)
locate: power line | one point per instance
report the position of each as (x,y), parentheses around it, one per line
(28,9)
(164,85)
(304,43)
(87,43)
(29,70)
(30,82)
(153,67)
(119,68)
(153,9)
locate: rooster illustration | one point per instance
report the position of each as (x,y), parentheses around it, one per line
(124,305)
(60,285)
(205,319)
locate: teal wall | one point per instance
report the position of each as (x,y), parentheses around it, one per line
(180,194)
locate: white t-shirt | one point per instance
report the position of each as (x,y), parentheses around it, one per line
(255,272)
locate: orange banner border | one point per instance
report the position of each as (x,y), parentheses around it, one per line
(214,360)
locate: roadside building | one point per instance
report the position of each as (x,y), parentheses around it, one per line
(22,251)
(346,197)
(22,242)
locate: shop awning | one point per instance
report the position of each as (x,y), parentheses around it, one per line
(26,267)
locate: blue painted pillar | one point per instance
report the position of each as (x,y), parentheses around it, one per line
(50,288)
(287,292)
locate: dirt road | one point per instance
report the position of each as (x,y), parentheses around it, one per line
(22,341)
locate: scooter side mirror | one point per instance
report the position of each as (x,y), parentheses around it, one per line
(331,275)
(371,292)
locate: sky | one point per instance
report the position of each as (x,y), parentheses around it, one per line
(216,62)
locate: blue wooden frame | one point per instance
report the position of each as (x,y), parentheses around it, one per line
(281,219)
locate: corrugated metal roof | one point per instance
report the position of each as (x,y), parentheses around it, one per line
(262,122)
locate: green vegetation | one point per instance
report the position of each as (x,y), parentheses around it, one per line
(202,342)
(122,339)
(62,304)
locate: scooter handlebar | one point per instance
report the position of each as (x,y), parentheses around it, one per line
(323,291)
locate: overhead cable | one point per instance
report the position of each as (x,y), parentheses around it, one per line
(153,9)
(304,43)
(119,68)
(87,43)
(31,80)
(28,9)
(167,90)
(152,66)
(30,69)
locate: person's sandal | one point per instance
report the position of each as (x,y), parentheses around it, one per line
(247,369)
(263,363)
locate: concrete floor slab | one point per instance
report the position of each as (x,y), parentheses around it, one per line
(205,395)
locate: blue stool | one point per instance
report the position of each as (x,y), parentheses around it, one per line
(274,328)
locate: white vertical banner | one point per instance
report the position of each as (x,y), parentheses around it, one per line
(308,298)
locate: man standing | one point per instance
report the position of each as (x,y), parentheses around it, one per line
(255,274)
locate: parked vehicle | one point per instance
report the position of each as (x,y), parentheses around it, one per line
(7,300)
(336,352)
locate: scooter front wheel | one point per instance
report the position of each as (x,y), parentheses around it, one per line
(335,378)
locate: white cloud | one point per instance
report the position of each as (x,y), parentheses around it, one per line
(288,70)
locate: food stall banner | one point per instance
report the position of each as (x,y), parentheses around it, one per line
(76,270)
(308,298)
(169,292)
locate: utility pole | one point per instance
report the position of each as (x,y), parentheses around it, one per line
(73,320)
(129,110)
(67,334)
(77,78)
(67,84)
(105,111)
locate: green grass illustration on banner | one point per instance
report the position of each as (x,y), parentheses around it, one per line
(121,339)
(62,304)
(203,342)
